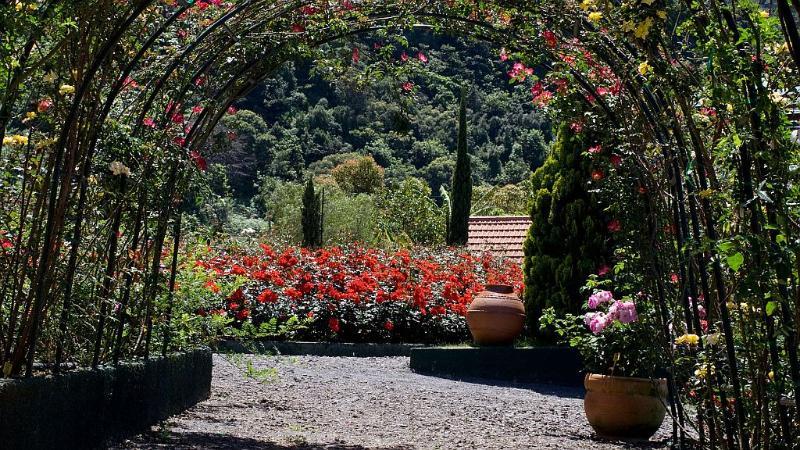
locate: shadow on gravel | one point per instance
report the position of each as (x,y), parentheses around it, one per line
(211,441)
(544,389)
(660,444)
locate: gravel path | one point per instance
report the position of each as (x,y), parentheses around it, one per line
(308,402)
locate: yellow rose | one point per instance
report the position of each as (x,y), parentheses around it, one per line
(643,29)
(645,68)
(628,26)
(703,371)
(587,4)
(712,339)
(15,140)
(66,89)
(595,16)
(687,339)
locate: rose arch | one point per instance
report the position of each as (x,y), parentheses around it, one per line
(164,73)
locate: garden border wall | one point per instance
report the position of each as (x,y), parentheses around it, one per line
(540,365)
(87,408)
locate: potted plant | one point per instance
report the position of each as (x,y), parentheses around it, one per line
(625,397)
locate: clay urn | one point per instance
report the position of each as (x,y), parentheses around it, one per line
(496,316)
(624,408)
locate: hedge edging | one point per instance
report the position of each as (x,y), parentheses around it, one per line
(87,408)
(540,365)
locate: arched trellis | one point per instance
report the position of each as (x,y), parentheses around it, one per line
(263,35)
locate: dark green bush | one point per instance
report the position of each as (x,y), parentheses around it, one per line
(566,241)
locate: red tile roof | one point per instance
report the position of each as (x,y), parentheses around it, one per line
(501,235)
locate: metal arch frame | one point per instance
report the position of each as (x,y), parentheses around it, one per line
(205,120)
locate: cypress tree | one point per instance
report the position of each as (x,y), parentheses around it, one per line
(311,216)
(566,241)
(461,186)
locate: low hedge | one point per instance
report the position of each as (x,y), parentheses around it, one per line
(87,408)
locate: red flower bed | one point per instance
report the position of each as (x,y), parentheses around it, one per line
(351,294)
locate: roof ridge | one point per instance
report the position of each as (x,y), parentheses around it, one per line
(500,218)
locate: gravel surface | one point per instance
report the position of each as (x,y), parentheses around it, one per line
(310,402)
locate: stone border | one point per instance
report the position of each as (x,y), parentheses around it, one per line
(541,365)
(363,350)
(87,408)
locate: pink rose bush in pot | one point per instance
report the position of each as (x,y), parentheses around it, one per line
(625,397)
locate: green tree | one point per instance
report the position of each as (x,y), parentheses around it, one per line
(566,241)
(359,175)
(461,187)
(312,216)
(408,215)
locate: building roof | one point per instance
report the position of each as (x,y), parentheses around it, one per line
(501,235)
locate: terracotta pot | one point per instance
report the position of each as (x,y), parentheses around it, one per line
(496,316)
(624,407)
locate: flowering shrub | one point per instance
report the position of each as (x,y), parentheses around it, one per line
(352,293)
(611,337)
(618,311)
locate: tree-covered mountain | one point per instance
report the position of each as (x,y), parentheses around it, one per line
(298,120)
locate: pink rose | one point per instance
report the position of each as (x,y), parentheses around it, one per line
(627,312)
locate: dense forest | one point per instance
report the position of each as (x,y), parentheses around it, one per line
(301,122)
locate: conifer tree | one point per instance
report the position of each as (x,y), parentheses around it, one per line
(566,241)
(312,216)
(461,186)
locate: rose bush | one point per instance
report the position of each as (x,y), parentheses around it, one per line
(352,293)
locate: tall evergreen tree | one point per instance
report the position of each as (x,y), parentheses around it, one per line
(461,186)
(312,216)
(566,241)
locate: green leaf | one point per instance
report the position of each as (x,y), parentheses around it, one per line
(771,307)
(724,246)
(735,261)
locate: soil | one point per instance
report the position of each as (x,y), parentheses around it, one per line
(311,402)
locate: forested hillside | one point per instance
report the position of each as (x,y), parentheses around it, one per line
(299,120)
(302,122)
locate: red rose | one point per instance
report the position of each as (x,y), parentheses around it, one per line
(44,105)
(267,296)
(333,324)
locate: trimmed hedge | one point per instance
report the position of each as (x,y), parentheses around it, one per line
(87,408)
(538,365)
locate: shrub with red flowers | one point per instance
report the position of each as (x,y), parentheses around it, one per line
(352,294)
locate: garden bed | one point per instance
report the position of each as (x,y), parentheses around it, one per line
(544,365)
(86,408)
